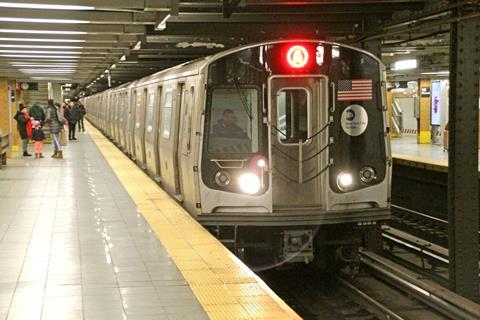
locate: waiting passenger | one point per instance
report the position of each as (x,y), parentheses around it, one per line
(55,120)
(38,136)
(227,128)
(36,112)
(24,126)
(82,111)
(72,115)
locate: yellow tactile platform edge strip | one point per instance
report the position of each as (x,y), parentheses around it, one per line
(224,286)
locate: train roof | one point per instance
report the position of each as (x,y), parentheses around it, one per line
(196,66)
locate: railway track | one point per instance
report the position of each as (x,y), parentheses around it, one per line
(382,290)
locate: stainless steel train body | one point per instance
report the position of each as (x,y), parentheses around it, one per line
(280,142)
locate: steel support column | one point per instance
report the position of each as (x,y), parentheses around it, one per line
(463,183)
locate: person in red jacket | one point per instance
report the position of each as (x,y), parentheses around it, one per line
(24,126)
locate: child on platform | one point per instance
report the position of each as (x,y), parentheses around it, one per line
(38,136)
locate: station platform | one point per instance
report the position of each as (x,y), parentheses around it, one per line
(92,237)
(406,148)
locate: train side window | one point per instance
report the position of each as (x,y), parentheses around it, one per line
(149,117)
(293,115)
(138,109)
(167,114)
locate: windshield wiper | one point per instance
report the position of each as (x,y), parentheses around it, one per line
(246,107)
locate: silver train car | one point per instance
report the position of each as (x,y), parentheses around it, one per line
(279,145)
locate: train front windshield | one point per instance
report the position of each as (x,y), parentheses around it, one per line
(233,125)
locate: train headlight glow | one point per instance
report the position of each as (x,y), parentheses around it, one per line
(297,56)
(261,163)
(249,183)
(344,180)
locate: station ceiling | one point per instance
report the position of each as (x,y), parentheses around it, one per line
(97,43)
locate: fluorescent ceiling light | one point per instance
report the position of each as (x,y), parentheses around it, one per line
(40,51)
(30,71)
(137,46)
(40,31)
(51,78)
(26,46)
(40,40)
(44,6)
(38,20)
(113,66)
(38,56)
(405,64)
(123,58)
(446,72)
(54,66)
(163,24)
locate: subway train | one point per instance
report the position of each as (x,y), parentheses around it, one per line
(280,146)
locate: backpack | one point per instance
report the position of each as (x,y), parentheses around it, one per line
(60,116)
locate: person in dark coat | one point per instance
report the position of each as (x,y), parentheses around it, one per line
(226,127)
(82,111)
(55,124)
(72,115)
(36,112)
(24,127)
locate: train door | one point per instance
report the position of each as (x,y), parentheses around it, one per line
(112,111)
(122,120)
(156,126)
(184,150)
(130,123)
(139,131)
(176,140)
(299,142)
(168,140)
(115,117)
(150,134)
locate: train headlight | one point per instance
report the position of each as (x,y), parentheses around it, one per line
(344,180)
(249,183)
(367,174)
(261,163)
(222,178)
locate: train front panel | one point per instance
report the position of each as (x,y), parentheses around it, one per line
(295,133)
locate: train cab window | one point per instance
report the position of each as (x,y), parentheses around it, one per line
(233,121)
(292,115)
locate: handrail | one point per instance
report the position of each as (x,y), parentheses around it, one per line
(397,118)
(332,108)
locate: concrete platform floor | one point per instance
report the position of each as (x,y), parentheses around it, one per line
(73,246)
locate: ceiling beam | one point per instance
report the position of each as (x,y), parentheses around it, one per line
(90,38)
(108,4)
(74,28)
(94,17)
(246,29)
(268,17)
(75,46)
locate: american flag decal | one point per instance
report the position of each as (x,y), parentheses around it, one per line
(355,89)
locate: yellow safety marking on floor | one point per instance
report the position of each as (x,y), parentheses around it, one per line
(224,286)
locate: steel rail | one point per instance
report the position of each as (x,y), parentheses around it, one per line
(435,296)
(389,314)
